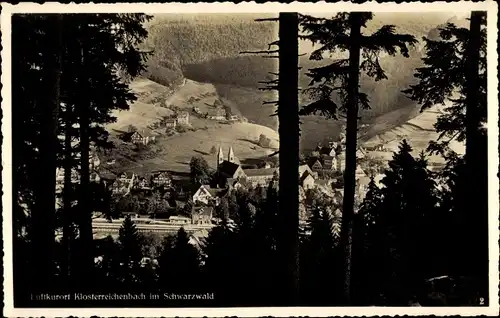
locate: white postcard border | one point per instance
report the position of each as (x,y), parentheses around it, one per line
(251,7)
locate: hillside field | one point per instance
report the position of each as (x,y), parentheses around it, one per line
(174,153)
(418,131)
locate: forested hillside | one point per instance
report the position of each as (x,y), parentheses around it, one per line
(206,48)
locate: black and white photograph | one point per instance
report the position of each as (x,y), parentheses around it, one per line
(253,156)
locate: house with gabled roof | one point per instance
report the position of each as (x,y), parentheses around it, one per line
(328,151)
(123,183)
(303,169)
(307,180)
(260,176)
(315,164)
(202,215)
(161,179)
(207,195)
(328,162)
(144,136)
(170,123)
(142,183)
(183,118)
(235,184)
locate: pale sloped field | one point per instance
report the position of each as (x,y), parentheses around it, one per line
(418,131)
(177,151)
(148,107)
(140,115)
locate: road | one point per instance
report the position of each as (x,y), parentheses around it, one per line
(105,227)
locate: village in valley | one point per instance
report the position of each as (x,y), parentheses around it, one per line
(168,199)
(182,154)
(178,165)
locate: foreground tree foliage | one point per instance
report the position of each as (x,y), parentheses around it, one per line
(76,58)
(130,254)
(455,71)
(342,33)
(179,264)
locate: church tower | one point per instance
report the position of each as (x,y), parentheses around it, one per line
(230,156)
(220,157)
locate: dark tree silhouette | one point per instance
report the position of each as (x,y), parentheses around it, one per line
(343,33)
(321,270)
(368,245)
(52,74)
(455,70)
(130,253)
(179,264)
(107,45)
(405,238)
(43,219)
(288,117)
(200,170)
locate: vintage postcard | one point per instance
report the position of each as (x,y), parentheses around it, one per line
(303,159)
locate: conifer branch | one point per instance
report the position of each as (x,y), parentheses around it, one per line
(274,102)
(260,52)
(267,19)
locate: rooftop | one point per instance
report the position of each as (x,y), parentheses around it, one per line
(260,172)
(228,167)
(204,210)
(215,192)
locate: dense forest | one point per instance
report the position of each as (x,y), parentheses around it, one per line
(409,242)
(206,48)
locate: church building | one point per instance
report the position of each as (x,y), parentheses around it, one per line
(229,168)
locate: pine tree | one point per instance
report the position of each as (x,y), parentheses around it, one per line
(130,253)
(368,245)
(455,70)
(200,171)
(179,264)
(406,217)
(221,268)
(321,278)
(53,64)
(107,45)
(288,116)
(265,257)
(39,77)
(343,33)
(223,209)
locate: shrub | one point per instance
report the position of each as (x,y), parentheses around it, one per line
(180,129)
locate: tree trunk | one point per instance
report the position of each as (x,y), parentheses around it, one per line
(67,195)
(476,163)
(43,216)
(350,158)
(288,114)
(85,217)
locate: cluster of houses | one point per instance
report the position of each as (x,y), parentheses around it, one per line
(94,164)
(146,136)
(181,118)
(331,157)
(231,175)
(127,181)
(216,112)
